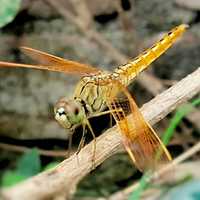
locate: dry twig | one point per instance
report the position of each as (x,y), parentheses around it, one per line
(66,176)
(49,153)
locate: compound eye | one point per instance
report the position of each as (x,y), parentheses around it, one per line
(61,111)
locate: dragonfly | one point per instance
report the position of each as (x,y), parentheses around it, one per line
(98,90)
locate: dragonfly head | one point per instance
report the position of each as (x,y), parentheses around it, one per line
(69,113)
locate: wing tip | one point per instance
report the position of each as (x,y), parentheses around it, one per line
(23,47)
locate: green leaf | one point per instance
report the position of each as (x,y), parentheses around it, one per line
(8,11)
(143,184)
(29,164)
(10,178)
(179,115)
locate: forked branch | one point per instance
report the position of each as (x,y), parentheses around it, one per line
(64,178)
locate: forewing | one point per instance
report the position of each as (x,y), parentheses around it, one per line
(140,140)
(42,57)
(53,63)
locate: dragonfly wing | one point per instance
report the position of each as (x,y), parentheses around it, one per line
(42,57)
(140,140)
(64,65)
(53,63)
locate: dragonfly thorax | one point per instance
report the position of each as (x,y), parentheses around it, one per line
(69,113)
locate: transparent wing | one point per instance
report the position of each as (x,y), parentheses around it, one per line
(53,63)
(140,140)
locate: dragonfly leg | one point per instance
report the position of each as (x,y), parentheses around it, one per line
(69,145)
(82,141)
(111,120)
(94,141)
(105,112)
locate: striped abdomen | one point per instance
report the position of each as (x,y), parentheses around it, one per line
(127,72)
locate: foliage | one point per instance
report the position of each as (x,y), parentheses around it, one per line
(143,184)
(8,11)
(28,165)
(179,115)
(11,178)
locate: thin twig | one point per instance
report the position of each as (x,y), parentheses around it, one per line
(67,174)
(83,12)
(128,25)
(22,149)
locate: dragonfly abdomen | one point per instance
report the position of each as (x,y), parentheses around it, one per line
(126,73)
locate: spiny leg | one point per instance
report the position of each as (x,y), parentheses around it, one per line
(82,141)
(92,132)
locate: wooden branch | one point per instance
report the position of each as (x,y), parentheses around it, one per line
(66,176)
(42,152)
